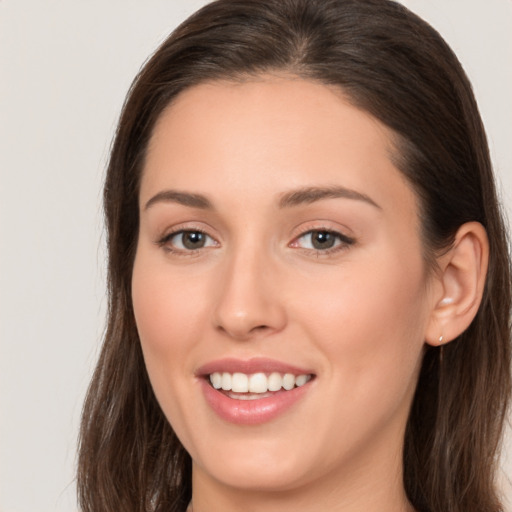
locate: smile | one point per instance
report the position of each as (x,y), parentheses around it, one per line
(255,386)
(255,391)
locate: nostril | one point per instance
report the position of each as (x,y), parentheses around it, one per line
(260,328)
(242,332)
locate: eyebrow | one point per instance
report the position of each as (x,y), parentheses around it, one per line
(290,199)
(183,198)
(311,194)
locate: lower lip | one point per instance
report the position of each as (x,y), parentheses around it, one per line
(252,412)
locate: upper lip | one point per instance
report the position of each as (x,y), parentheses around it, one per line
(250,366)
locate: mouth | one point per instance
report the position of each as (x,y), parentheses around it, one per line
(255,391)
(255,386)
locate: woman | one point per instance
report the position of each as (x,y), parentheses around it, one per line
(308,272)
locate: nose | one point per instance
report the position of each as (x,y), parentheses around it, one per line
(249,301)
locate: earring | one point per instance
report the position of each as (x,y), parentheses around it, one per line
(441,346)
(441,339)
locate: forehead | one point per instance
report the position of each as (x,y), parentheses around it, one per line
(256,109)
(271,132)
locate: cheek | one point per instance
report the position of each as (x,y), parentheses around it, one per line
(167,313)
(367,298)
(167,308)
(370,321)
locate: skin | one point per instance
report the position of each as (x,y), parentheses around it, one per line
(357,316)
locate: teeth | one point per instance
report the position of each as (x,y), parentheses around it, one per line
(240,383)
(226,381)
(216,380)
(301,380)
(258,383)
(275,382)
(288,381)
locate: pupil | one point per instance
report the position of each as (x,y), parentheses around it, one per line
(323,240)
(193,240)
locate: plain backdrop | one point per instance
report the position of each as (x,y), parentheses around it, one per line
(65,66)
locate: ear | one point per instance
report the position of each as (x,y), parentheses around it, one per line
(459,284)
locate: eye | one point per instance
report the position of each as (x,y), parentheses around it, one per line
(322,240)
(188,240)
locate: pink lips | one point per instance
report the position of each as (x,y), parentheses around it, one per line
(250,412)
(250,366)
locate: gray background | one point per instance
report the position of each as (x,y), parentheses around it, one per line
(65,66)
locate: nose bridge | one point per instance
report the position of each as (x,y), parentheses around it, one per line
(249,300)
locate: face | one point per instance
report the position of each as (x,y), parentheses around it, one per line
(279,287)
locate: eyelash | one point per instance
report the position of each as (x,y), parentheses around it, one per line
(164,242)
(342,242)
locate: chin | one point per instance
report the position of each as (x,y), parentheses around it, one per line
(267,459)
(257,475)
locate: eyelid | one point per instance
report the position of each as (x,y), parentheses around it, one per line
(323,225)
(163,240)
(344,240)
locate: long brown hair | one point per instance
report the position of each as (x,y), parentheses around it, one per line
(393,65)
